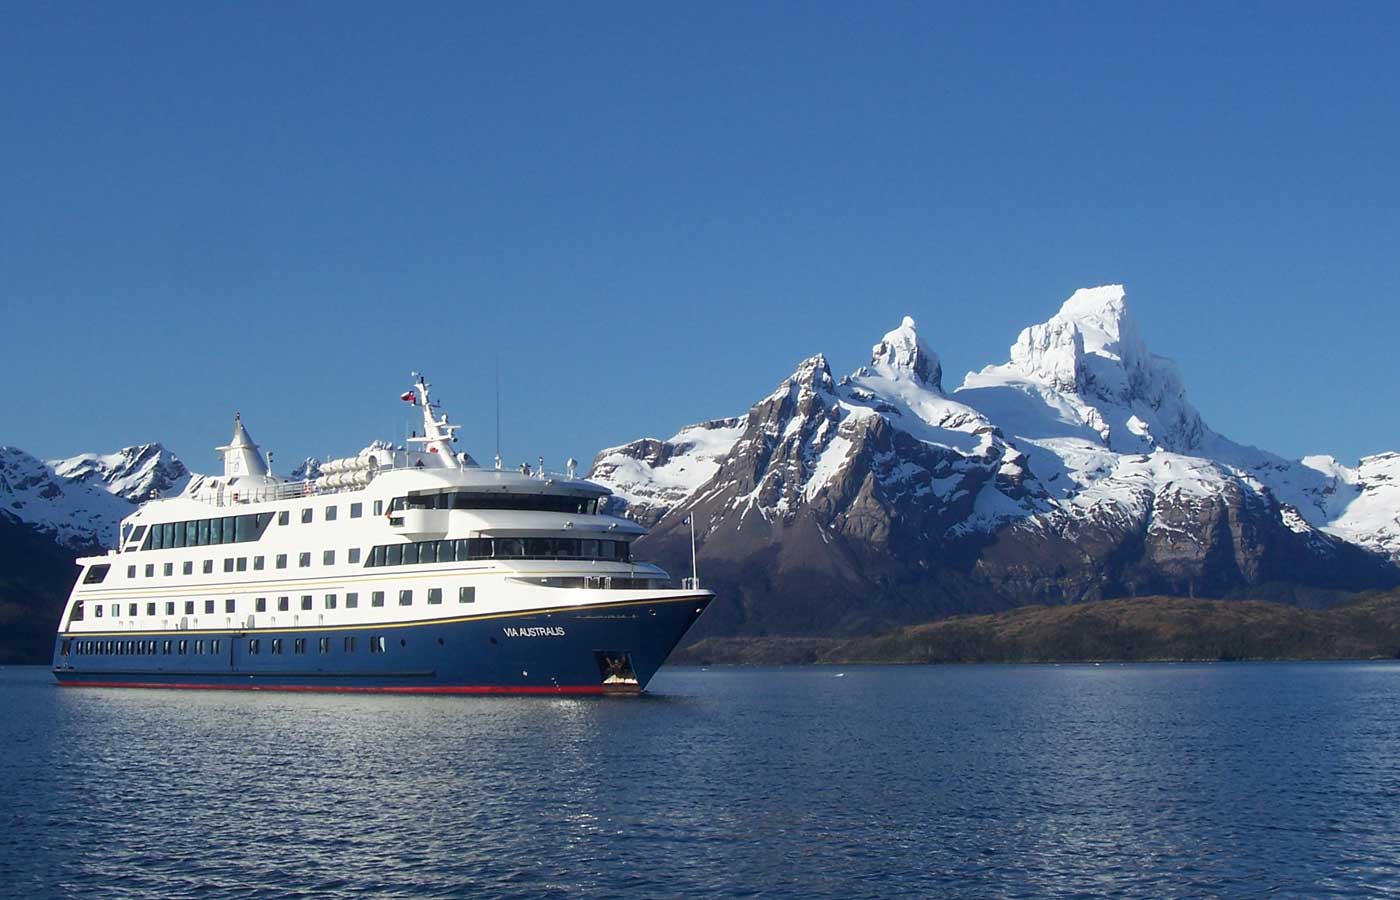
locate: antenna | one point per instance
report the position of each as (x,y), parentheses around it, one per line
(498,410)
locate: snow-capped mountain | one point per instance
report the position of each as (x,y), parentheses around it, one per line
(77,514)
(133,473)
(1076,469)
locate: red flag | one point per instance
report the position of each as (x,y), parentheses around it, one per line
(409,397)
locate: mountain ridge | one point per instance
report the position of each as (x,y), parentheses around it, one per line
(1078,469)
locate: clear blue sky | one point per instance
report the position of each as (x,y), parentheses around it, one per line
(651,212)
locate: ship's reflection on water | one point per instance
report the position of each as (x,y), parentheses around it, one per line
(1006,781)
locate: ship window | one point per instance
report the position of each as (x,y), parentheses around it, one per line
(199,646)
(137,532)
(588,548)
(349,644)
(304,560)
(540,502)
(184,647)
(324,645)
(306,515)
(170,607)
(97,610)
(276,646)
(328,557)
(216,531)
(406,598)
(96,574)
(283,604)
(165,648)
(260,604)
(67,645)
(188,567)
(132,609)
(257,564)
(354,554)
(508,548)
(253,646)
(229,537)
(242,563)
(169,529)
(130,571)
(189,607)
(376,598)
(466,594)
(427,552)
(150,609)
(192,533)
(230,605)
(208,607)
(150,570)
(208,567)
(393,554)
(330,601)
(228,564)
(299,646)
(434,595)
(202,533)
(410,554)
(169,569)
(305,601)
(376,556)
(281,560)
(330,513)
(283,517)
(116,610)
(357,510)
(379,641)
(214,646)
(77,615)
(352,600)
(245,528)
(179,534)
(379,507)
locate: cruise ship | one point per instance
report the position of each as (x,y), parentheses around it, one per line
(403,569)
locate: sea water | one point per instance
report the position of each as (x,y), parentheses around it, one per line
(1228,780)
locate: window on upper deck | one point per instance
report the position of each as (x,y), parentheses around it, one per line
(304,560)
(188,568)
(357,510)
(96,574)
(328,557)
(130,571)
(284,517)
(330,513)
(306,516)
(354,554)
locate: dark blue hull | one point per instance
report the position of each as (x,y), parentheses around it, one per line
(599,649)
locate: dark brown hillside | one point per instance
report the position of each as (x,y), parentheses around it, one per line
(1142,629)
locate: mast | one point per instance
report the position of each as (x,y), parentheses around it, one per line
(438,435)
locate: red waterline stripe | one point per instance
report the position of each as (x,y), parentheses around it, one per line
(343,689)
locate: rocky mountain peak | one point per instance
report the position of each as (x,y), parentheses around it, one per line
(1092,354)
(813,373)
(902,355)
